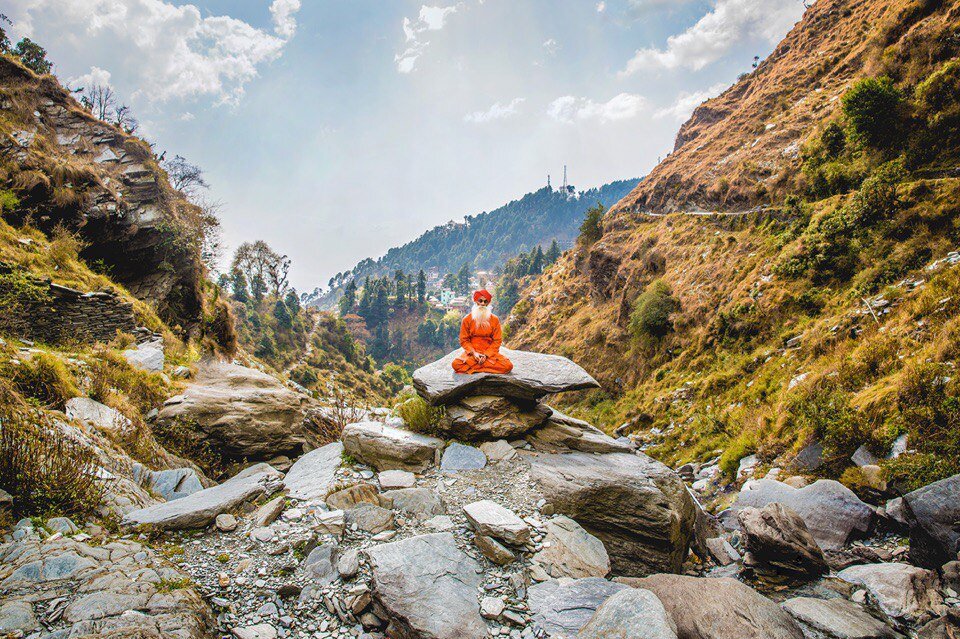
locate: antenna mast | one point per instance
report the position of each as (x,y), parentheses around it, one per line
(564,178)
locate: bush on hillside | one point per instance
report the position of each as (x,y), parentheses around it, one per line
(872,107)
(591,229)
(419,415)
(652,310)
(45,379)
(824,412)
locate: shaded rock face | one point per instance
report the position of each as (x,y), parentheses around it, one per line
(561,433)
(427,588)
(720,608)
(534,375)
(630,614)
(572,551)
(901,591)
(98,585)
(837,619)
(484,417)
(127,212)
(637,507)
(388,448)
(832,513)
(245,413)
(562,610)
(778,541)
(933,514)
(313,475)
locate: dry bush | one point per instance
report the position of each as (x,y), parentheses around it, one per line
(65,246)
(44,378)
(344,409)
(47,473)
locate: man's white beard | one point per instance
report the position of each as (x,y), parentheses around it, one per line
(481,315)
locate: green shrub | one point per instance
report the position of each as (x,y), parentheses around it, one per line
(591,230)
(877,198)
(652,310)
(395,377)
(419,415)
(824,411)
(44,378)
(736,450)
(872,110)
(833,140)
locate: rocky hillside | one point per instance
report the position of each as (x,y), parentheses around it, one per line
(70,170)
(784,281)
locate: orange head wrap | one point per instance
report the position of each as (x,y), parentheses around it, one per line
(482,293)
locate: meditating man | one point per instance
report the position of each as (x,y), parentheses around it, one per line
(480,337)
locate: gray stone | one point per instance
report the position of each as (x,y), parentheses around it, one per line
(863,457)
(353,496)
(534,375)
(372,519)
(494,550)
(563,609)
(561,433)
(62,525)
(257,631)
(348,565)
(268,512)
(722,552)
(718,608)
(901,591)
(637,507)
(491,607)
(17,615)
(319,564)
(832,513)
(99,416)
(226,522)
(52,568)
(422,503)
(201,508)
(485,417)
(147,356)
(933,514)
(493,520)
(630,614)
(313,475)
(440,523)
(331,522)
(570,551)
(778,541)
(810,458)
(427,587)
(176,483)
(837,618)
(391,479)
(388,448)
(500,450)
(458,457)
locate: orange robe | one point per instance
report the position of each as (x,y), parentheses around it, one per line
(481,339)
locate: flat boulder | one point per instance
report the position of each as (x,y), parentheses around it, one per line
(570,551)
(636,506)
(900,591)
(99,416)
(724,608)
(560,433)
(837,619)
(563,608)
(832,513)
(243,412)
(147,356)
(633,613)
(389,448)
(493,520)
(933,514)
(422,503)
(534,375)
(427,588)
(777,541)
(485,417)
(313,475)
(458,457)
(201,508)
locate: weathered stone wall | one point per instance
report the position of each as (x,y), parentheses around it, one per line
(68,315)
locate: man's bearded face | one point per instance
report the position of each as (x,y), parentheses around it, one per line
(481,314)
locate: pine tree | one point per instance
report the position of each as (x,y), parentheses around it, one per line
(463,278)
(401,281)
(536,262)
(421,287)
(349,298)
(238,286)
(553,253)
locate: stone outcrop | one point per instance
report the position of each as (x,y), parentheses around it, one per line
(486,417)
(562,433)
(563,609)
(389,448)
(244,413)
(718,608)
(637,507)
(901,591)
(832,513)
(201,508)
(534,375)
(633,613)
(570,551)
(427,588)
(837,619)
(933,514)
(778,541)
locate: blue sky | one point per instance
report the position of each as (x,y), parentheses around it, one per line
(335,129)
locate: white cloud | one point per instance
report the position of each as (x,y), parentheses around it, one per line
(430,19)
(685,103)
(569,108)
(496,112)
(173,50)
(601,7)
(96,76)
(729,23)
(551,46)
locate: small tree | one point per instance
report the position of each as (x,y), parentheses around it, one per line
(553,253)
(652,310)
(33,56)
(184,176)
(238,286)
(591,230)
(421,287)
(872,110)
(282,314)
(4,38)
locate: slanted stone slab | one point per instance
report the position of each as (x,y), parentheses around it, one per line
(147,356)
(901,591)
(312,476)
(99,416)
(562,610)
(633,613)
(459,457)
(201,508)
(570,551)
(561,433)
(388,448)
(427,588)
(493,520)
(837,618)
(175,483)
(534,375)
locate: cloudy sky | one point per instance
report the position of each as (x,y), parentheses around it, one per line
(335,129)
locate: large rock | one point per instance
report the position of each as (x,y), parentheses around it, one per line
(493,520)
(637,507)
(388,448)
(561,433)
(245,413)
(901,591)
(484,417)
(837,619)
(147,356)
(175,483)
(570,551)
(201,508)
(534,375)
(99,416)
(933,514)
(563,609)
(630,614)
(422,503)
(704,608)
(427,588)
(778,541)
(458,457)
(832,513)
(312,476)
